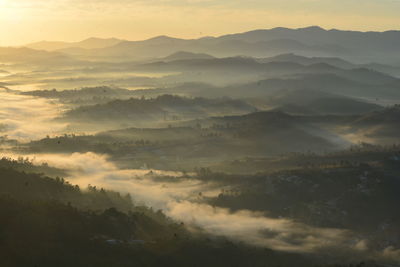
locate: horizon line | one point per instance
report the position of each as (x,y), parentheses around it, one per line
(205,36)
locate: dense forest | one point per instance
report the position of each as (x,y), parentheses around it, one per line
(48,221)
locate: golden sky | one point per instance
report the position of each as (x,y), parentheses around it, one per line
(23,21)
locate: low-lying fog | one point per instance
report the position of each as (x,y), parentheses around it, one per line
(76,78)
(181,197)
(26,118)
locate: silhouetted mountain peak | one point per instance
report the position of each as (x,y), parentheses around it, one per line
(163,38)
(98,39)
(312,28)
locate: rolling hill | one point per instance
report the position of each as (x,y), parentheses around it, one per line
(162,109)
(90,43)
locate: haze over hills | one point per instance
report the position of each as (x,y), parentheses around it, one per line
(336,62)
(161,110)
(305,41)
(274,147)
(90,43)
(183,55)
(377,46)
(10,54)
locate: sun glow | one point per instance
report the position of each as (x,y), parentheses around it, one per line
(24,21)
(7,12)
(3,4)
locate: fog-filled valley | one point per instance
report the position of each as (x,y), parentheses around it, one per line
(275,147)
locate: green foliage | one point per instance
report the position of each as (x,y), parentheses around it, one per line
(38,227)
(30,187)
(162,108)
(357,189)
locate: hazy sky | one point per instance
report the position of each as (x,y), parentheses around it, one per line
(24,21)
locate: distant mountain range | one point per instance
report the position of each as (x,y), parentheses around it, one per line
(90,43)
(362,47)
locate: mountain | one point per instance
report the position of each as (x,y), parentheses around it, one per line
(318,36)
(324,82)
(90,43)
(319,82)
(388,69)
(365,46)
(85,95)
(390,115)
(28,55)
(376,127)
(183,55)
(336,62)
(276,132)
(341,105)
(160,46)
(48,45)
(163,109)
(235,70)
(376,46)
(163,46)
(308,102)
(369,76)
(333,61)
(210,139)
(238,64)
